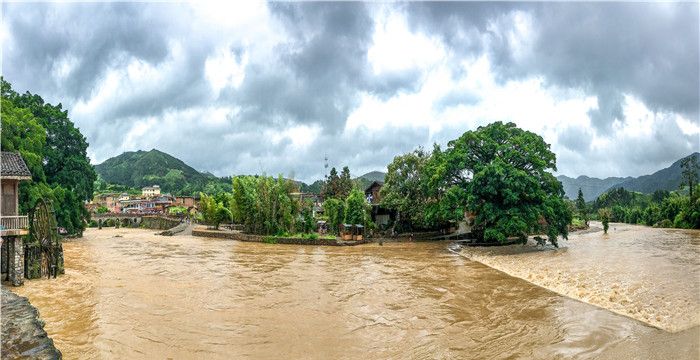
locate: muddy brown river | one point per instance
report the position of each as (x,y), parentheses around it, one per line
(128,294)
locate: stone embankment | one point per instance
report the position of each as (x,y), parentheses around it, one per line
(23,335)
(176,230)
(236,235)
(159,222)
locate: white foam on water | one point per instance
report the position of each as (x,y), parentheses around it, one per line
(651,275)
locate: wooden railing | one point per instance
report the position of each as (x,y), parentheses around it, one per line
(14,222)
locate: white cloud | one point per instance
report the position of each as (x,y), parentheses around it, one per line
(395,48)
(225,69)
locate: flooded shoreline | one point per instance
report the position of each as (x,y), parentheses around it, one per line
(648,274)
(128,293)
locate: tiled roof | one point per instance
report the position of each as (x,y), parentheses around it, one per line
(12,164)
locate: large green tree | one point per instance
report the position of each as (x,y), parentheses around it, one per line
(337,186)
(404,190)
(61,170)
(505,172)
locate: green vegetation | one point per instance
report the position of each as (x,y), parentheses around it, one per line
(334,209)
(344,203)
(133,170)
(660,209)
(55,152)
(498,172)
(337,187)
(263,204)
(179,210)
(604,215)
(213,212)
(405,190)
(581,207)
(357,208)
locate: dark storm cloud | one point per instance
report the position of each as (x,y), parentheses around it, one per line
(97,36)
(576,139)
(649,50)
(318,71)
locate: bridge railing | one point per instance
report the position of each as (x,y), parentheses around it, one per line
(9,225)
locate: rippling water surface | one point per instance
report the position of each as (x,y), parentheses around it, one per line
(131,294)
(649,274)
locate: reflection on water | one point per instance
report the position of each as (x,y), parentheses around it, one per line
(141,295)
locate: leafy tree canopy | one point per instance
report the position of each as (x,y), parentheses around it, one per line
(55,152)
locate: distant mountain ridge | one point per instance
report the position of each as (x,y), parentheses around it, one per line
(591,187)
(669,179)
(664,179)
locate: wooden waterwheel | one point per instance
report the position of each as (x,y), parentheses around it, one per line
(44,230)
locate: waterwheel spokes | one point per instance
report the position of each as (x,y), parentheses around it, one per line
(45,234)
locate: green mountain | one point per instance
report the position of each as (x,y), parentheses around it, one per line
(314,188)
(363,181)
(665,179)
(591,187)
(142,168)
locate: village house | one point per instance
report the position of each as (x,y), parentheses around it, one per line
(110,201)
(185,201)
(13,226)
(315,199)
(149,191)
(381,216)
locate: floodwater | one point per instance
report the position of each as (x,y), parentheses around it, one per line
(130,294)
(652,275)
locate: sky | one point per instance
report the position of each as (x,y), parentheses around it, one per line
(255,87)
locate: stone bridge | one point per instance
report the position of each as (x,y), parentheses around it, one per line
(124,219)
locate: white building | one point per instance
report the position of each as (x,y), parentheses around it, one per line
(150,190)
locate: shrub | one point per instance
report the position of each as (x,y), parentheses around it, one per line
(665,223)
(269,240)
(604,215)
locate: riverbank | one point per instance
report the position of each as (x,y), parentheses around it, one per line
(203,231)
(647,274)
(23,334)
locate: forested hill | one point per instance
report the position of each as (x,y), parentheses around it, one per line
(591,187)
(665,179)
(143,168)
(362,182)
(365,180)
